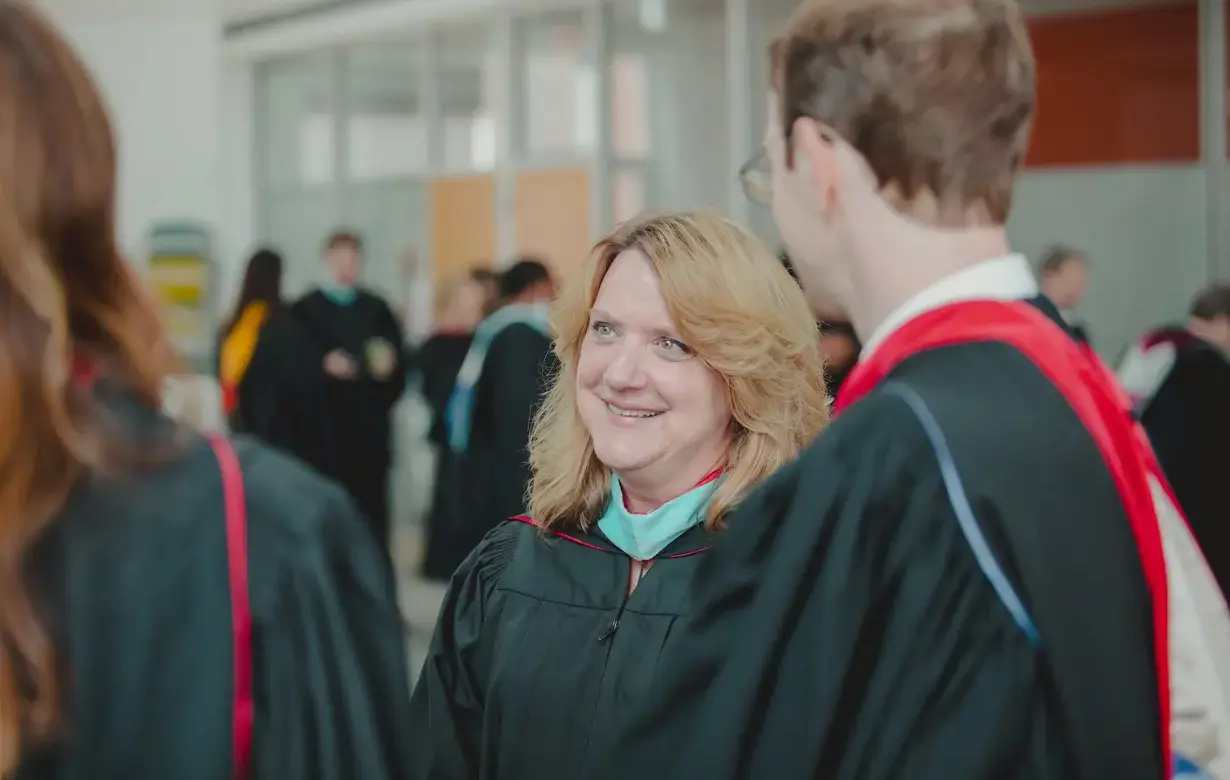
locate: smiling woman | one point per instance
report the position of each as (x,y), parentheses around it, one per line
(687,317)
(690,371)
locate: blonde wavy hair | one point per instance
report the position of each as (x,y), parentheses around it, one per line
(736,305)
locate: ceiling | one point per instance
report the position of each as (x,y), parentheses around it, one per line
(237,10)
(241,10)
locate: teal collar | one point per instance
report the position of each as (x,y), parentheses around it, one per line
(644,537)
(342,296)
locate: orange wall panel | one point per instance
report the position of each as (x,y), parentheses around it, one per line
(463,224)
(1117,87)
(553,217)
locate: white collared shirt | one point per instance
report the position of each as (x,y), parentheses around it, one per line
(1006,278)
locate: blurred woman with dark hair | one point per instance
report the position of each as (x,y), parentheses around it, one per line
(260,295)
(171,606)
(270,386)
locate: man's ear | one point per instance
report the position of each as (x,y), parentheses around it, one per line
(815,152)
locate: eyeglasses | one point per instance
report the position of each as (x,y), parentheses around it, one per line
(756,176)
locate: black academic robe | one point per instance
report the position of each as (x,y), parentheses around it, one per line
(845,628)
(438,361)
(360,409)
(1077,330)
(281,397)
(132,578)
(1188,422)
(540,651)
(493,472)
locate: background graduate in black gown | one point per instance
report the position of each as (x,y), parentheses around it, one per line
(461,306)
(493,403)
(360,351)
(948,584)
(1180,376)
(1063,276)
(116,616)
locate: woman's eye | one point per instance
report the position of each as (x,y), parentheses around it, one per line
(602,329)
(674,348)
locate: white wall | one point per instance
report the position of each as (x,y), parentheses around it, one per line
(182,117)
(691,98)
(1145,231)
(159,70)
(241,10)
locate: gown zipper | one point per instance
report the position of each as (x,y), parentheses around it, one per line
(636,573)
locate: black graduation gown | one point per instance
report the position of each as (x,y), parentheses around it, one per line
(494,471)
(842,628)
(438,361)
(359,409)
(1188,422)
(1077,330)
(539,653)
(282,397)
(132,576)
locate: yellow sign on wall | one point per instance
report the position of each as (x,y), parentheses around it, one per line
(180,277)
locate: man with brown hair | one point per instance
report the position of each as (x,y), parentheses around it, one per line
(1063,275)
(950,582)
(356,342)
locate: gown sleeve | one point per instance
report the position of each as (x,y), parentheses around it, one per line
(330,662)
(842,630)
(447,707)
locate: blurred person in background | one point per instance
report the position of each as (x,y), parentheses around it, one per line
(690,372)
(489,280)
(1179,378)
(270,387)
(1063,275)
(839,344)
(501,381)
(460,305)
(128,651)
(963,577)
(360,353)
(840,347)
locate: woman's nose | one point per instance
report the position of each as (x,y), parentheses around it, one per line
(625,372)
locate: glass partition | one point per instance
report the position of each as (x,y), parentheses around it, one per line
(556,100)
(296,196)
(386,120)
(467,72)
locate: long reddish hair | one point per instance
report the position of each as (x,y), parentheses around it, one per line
(67,298)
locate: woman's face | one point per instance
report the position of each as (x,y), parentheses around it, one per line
(656,412)
(467,305)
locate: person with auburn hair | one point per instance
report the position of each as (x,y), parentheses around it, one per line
(172,606)
(964,576)
(690,372)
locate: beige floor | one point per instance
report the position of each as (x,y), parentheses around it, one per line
(411,484)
